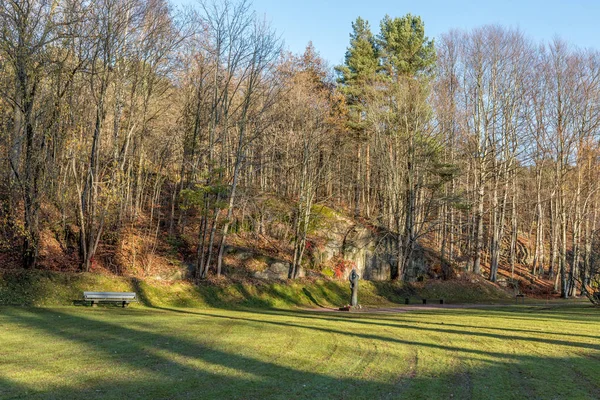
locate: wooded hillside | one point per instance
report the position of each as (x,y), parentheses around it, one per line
(195,125)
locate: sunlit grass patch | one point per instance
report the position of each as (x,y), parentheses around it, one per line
(504,353)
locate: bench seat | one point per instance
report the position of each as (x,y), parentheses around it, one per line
(110,297)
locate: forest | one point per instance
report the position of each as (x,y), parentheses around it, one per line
(195,124)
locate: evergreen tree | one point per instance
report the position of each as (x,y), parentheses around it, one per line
(359,71)
(405,50)
(356,77)
(407,58)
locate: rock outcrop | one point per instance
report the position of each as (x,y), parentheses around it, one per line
(371,250)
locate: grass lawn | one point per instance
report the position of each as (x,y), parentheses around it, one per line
(142,353)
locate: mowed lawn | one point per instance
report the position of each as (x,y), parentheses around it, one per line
(141,353)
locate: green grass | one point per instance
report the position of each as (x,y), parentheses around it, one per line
(161,353)
(45,288)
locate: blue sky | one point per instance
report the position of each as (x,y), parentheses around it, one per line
(327,23)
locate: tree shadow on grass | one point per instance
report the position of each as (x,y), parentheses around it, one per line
(140,293)
(171,378)
(358,319)
(164,365)
(392,319)
(447,328)
(310,296)
(236,295)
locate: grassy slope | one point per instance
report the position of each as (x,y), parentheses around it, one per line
(42,288)
(111,353)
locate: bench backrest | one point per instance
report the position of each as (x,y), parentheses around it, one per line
(109,295)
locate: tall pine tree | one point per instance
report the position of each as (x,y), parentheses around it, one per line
(405,50)
(407,59)
(356,78)
(359,71)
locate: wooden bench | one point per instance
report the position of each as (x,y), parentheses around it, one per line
(520,296)
(110,297)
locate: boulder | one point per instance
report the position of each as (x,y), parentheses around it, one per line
(278,270)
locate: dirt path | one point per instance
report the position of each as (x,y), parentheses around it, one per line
(409,308)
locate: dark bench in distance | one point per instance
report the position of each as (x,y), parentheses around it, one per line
(407,301)
(110,297)
(520,296)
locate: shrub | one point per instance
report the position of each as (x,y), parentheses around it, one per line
(341,265)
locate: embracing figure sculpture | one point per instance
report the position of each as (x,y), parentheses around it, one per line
(354,287)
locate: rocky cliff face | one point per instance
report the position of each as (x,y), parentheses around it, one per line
(371,250)
(370,253)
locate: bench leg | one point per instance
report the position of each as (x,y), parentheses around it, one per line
(424,301)
(406,300)
(94,304)
(441,301)
(124,304)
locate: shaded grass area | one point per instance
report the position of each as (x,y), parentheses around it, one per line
(45,288)
(111,353)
